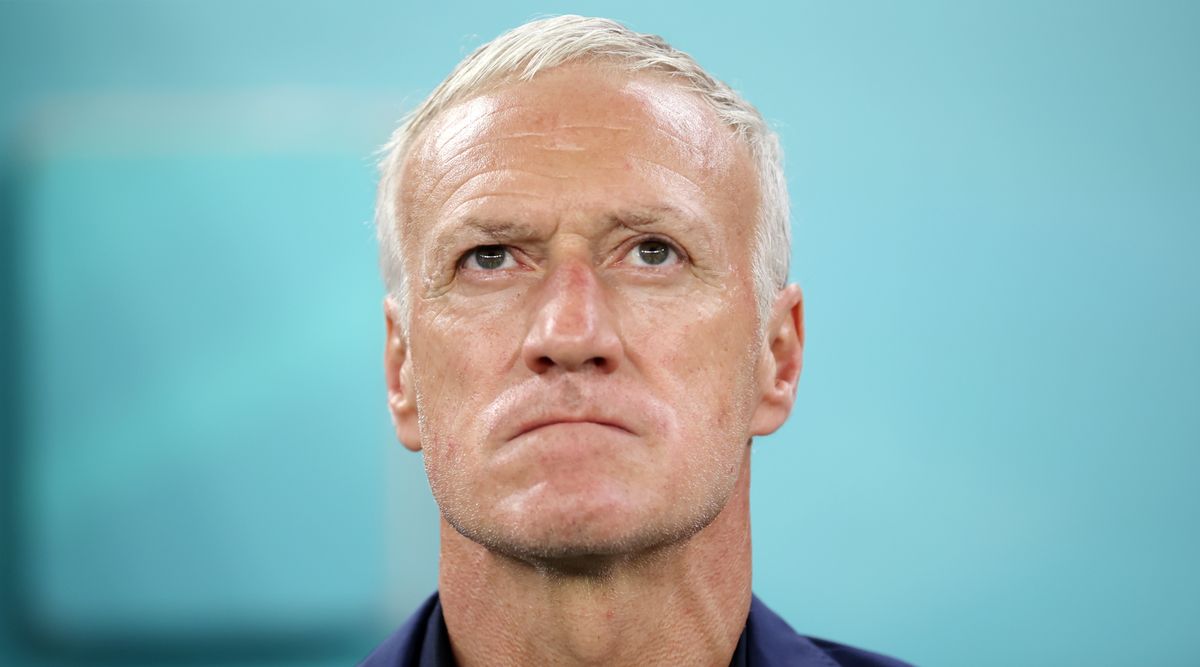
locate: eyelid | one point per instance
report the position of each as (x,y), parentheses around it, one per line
(466,256)
(632,244)
(629,247)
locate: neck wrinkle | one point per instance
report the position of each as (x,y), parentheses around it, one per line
(685,604)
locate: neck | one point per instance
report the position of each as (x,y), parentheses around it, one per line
(684,603)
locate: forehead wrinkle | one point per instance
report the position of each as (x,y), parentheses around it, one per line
(650,95)
(496,193)
(466,181)
(420,188)
(568,128)
(524,134)
(447,169)
(465,119)
(488,172)
(468,121)
(487,122)
(663,167)
(706,156)
(460,119)
(673,106)
(509,115)
(485,224)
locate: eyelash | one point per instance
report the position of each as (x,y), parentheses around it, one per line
(671,248)
(508,255)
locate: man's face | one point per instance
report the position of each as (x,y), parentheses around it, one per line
(583,365)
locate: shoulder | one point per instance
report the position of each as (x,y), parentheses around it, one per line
(770,642)
(403,647)
(773,643)
(848,656)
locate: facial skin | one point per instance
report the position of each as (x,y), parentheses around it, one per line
(583,367)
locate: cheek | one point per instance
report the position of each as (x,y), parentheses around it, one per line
(461,362)
(701,353)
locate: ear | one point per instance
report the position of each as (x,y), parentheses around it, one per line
(782,358)
(398,365)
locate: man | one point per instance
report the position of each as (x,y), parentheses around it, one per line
(585,242)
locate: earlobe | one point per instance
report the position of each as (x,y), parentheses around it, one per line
(398,368)
(783,357)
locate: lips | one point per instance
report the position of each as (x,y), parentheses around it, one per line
(535,424)
(535,404)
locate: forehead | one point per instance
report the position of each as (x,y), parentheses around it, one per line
(585,134)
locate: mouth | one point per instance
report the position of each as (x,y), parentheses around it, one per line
(559,421)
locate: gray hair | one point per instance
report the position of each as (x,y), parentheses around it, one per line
(546,43)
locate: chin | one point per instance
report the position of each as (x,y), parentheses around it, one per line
(581,532)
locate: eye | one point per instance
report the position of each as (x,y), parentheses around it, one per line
(653,252)
(488,258)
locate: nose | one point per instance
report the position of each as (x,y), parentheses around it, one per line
(573,328)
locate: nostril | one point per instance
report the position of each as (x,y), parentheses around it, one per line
(545,363)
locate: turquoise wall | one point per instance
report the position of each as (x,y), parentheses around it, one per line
(993,458)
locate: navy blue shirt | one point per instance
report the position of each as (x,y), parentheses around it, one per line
(766,641)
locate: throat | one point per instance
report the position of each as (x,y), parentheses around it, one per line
(685,603)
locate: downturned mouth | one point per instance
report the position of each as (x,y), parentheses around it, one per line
(542,423)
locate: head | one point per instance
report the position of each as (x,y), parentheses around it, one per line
(584,238)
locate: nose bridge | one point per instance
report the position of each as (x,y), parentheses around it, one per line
(573,326)
(571,296)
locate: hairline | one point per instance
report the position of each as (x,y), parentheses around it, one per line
(768,263)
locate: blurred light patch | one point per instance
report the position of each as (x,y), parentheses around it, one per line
(203,452)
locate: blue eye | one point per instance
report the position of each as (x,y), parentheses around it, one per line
(488,258)
(653,253)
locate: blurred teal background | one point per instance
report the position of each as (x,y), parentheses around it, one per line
(994,456)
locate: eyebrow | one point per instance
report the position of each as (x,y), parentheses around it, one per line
(498,230)
(493,231)
(650,216)
(696,233)
(636,218)
(503,231)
